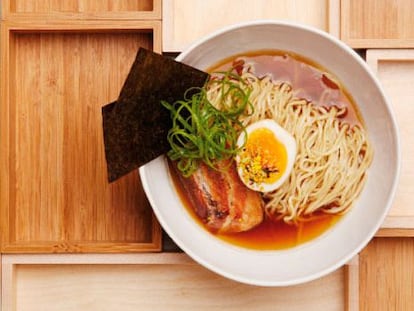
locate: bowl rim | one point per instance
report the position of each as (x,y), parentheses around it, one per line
(395,136)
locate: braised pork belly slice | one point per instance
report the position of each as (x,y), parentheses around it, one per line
(221,200)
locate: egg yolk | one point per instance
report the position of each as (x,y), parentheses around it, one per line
(263,158)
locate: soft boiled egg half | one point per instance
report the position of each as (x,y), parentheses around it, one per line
(266,156)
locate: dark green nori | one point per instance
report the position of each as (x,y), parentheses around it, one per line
(135,127)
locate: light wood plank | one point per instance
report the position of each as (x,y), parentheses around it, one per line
(4,125)
(150,282)
(392,232)
(377,24)
(55,196)
(1,289)
(7,287)
(185,21)
(395,69)
(387,274)
(4,9)
(81,9)
(352,285)
(334,18)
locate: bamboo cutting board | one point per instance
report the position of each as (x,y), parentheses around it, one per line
(157,282)
(56,76)
(185,21)
(395,69)
(377,23)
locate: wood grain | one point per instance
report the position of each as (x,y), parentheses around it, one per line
(185,21)
(351,283)
(20,6)
(395,69)
(377,24)
(54,192)
(334,17)
(81,9)
(1,281)
(393,232)
(150,282)
(387,275)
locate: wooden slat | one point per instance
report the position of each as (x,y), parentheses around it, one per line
(1,281)
(334,17)
(393,232)
(352,285)
(54,191)
(81,9)
(387,274)
(377,23)
(151,282)
(395,69)
(185,21)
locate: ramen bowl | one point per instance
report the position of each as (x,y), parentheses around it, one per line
(348,236)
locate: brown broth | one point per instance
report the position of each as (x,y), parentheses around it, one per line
(308,79)
(268,235)
(271,235)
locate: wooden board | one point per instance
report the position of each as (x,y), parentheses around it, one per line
(387,274)
(185,21)
(153,282)
(54,192)
(80,9)
(377,24)
(395,69)
(1,281)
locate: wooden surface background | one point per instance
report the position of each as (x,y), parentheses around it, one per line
(51,201)
(150,282)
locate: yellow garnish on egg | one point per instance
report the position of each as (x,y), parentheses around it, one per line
(267,157)
(264,157)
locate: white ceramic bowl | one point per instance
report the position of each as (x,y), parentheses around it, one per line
(334,248)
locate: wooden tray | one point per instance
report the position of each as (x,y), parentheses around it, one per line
(395,69)
(211,15)
(54,192)
(376,24)
(25,10)
(386,274)
(157,282)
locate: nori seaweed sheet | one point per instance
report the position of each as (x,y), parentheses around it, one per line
(135,126)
